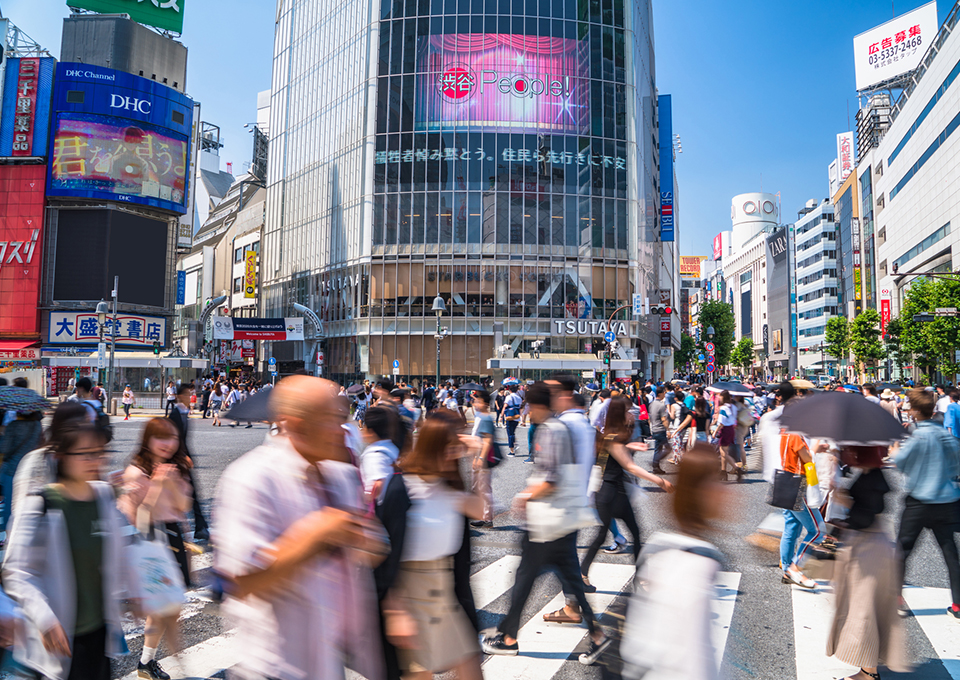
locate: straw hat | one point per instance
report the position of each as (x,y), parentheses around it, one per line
(887,394)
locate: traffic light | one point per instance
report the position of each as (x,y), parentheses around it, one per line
(156,348)
(923,318)
(662,310)
(606,358)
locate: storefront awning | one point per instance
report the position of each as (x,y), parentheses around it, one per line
(128,360)
(564,362)
(16,345)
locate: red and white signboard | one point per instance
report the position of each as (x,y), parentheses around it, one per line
(21,235)
(665,324)
(884,309)
(26,111)
(32,354)
(894,48)
(717,247)
(844,156)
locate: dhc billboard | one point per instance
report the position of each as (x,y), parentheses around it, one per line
(119,137)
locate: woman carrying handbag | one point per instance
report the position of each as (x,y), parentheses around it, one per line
(66,567)
(158,496)
(794,455)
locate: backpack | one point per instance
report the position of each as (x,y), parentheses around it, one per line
(101,421)
(744,416)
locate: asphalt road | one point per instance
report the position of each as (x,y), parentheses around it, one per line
(761,638)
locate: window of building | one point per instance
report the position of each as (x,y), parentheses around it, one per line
(883,268)
(928,242)
(238,284)
(238,255)
(881,236)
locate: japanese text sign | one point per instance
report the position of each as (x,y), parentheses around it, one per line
(894,48)
(83,328)
(25,114)
(164,14)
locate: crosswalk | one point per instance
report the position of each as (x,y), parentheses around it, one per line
(545,648)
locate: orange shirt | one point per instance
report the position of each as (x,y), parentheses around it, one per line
(790,447)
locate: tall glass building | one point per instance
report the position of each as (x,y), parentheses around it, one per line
(499,153)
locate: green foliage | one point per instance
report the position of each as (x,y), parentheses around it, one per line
(865,338)
(720,316)
(687,352)
(742,355)
(932,344)
(895,349)
(837,338)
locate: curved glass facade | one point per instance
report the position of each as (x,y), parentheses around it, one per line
(499,153)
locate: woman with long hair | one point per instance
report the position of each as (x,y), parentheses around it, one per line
(67,568)
(701,420)
(615,460)
(441,637)
(667,630)
(157,483)
(726,434)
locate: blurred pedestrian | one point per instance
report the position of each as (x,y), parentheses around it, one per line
(486,433)
(216,404)
(171,398)
(180,416)
(379,458)
(67,569)
(554,457)
(157,496)
(726,437)
(511,415)
(295,548)
(930,462)
(20,437)
(441,637)
(127,399)
(866,629)
(667,635)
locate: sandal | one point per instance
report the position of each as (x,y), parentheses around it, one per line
(875,676)
(561,616)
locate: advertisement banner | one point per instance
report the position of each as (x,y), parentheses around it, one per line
(718,247)
(667,218)
(227,328)
(895,47)
(83,328)
(27,94)
(163,14)
(238,351)
(250,274)
(181,287)
(690,266)
(29,354)
(844,156)
(186,227)
(21,236)
(884,315)
(119,137)
(503,83)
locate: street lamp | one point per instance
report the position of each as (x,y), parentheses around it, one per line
(439,307)
(102,310)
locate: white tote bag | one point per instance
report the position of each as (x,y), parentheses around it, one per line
(159,579)
(563,512)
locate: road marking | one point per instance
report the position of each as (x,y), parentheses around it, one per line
(201,660)
(723,605)
(812,618)
(929,607)
(544,647)
(494,580)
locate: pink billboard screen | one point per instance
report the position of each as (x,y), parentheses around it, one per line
(501,82)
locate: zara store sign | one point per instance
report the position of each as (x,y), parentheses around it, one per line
(581,327)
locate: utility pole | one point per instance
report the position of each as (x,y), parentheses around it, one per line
(113,341)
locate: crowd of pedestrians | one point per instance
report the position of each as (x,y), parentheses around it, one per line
(343,541)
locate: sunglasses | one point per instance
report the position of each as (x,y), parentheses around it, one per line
(89,455)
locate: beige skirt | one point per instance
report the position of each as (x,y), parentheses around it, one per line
(445,636)
(866,630)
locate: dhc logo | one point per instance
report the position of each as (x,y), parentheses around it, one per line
(118,101)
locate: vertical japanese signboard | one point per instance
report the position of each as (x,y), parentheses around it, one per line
(28,76)
(884,309)
(250,274)
(667,217)
(21,236)
(844,156)
(27,91)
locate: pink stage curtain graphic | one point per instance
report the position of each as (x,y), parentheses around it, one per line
(500,82)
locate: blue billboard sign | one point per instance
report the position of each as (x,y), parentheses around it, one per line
(667,231)
(181,287)
(25,119)
(119,137)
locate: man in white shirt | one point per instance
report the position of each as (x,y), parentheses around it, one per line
(870,393)
(378,459)
(943,400)
(597,408)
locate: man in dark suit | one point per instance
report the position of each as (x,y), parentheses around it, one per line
(179,414)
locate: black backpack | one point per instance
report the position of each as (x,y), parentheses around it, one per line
(101,421)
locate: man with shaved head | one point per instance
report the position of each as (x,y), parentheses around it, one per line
(295,548)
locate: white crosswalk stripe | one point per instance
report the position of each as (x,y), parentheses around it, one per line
(929,607)
(812,615)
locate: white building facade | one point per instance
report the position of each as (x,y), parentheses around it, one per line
(815,236)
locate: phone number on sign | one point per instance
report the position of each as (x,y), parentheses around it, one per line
(895,52)
(507,155)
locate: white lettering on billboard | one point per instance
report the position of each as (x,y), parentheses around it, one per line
(894,48)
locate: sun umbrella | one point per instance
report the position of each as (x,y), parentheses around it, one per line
(355,389)
(510,381)
(802,384)
(593,387)
(21,399)
(734,388)
(893,387)
(847,419)
(851,388)
(255,407)
(470,386)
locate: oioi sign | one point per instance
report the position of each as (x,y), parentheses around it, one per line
(164,14)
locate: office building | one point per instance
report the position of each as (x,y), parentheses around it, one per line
(817,282)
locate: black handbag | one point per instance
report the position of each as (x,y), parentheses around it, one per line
(786,487)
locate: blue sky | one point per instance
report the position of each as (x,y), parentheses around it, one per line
(760,89)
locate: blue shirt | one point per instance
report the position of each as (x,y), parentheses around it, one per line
(952,418)
(930,462)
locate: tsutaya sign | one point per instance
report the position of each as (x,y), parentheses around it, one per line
(588,328)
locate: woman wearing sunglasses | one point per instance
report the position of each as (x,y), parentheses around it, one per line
(67,569)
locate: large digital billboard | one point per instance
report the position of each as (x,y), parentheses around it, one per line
(895,47)
(503,83)
(27,91)
(165,14)
(119,137)
(21,237)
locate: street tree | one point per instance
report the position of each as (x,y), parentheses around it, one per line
(865,339)
(837,338)
(719,316)
(896,352)
(933,343)
(742,355)
(687,352)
